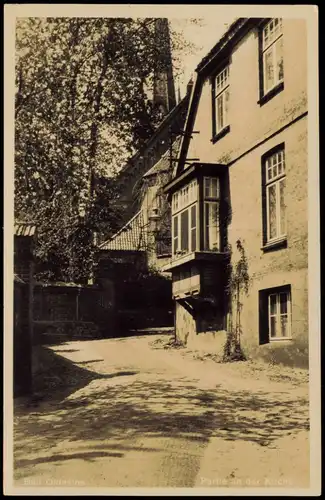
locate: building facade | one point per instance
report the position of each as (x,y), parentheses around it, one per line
(242,203)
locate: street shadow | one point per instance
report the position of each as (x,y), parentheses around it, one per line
(161,408)
(85,406)
(58,377)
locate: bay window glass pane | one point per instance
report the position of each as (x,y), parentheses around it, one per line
(206,226)
(211,226)
(279,60)
(268,69)
(193,228)
(175,233)
(184,230)
(273,303)
(271,190)
(193,240)
(193,216)
(273,326)
(175,221)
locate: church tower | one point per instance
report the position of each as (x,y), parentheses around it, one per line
(164,98)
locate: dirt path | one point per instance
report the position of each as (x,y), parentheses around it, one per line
(131,414)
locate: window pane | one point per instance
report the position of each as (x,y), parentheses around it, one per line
(175,233)
(184,230)
(219,113)
(275,166)
(226,106)
(284,326)
(175,219)
(207,181)
(211,226)
(282,207)
(283,303)
(268,69)
(273,302)
(272,210)
(279,60)
(273,326)
(214,185)
(193,240)
(193,216)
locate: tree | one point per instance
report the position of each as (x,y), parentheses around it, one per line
(80,110)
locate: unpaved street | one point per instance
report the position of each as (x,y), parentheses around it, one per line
(132,414)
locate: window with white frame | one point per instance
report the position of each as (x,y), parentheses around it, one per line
(184,219)
(191,219)
(272,54)
(211,190)
(220,101)
(279,315)
(275,190)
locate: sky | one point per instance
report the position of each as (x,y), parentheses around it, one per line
(204,35)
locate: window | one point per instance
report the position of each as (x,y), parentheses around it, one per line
(195,226)
(211,214)
(175,235)
(275,314)
(220,101)
(184,220)
(272,55)
(274,196)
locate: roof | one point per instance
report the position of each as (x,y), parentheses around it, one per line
(130,237)
(234,26)
(232,35)
(156,133)
(163,164)
(24,229)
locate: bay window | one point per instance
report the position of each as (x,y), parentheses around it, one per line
(184,215)
(211,214)
(188,222)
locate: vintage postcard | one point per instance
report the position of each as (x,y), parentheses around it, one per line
(162,253)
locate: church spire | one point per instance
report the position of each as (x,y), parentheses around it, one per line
(164,98)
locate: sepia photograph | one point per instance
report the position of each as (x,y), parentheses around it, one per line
(162,263)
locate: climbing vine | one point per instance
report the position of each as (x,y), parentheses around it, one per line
(238,285)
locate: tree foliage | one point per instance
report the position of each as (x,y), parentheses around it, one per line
(80,110)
